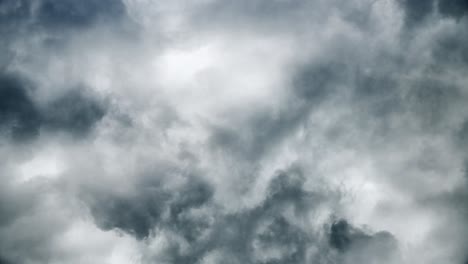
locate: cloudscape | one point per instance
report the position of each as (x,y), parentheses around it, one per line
(234,132)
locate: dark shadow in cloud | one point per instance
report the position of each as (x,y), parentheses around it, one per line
(378,92)
(4,261)
(314,82)
(21,119)
(250,235)
(14,12)
(461,136)
(453,8)
(416,11)
(239,234)
(55,14)
(450,49)
(151,206)
(357,246)
(267,233)
(195,195)
(135,214)
(253,14)
(53,22)
(74,112)
(287,188)
(19,116)
(340,237)
(70,13)
(343,236)
(13,19)
(253,226)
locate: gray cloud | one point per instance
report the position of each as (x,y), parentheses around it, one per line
(18,112)
(70,13)
(266,233)
(233,132)
(54,14)
(359,246)
(250,235)
(150,207)
(456,9)
(417,11)
(23,119)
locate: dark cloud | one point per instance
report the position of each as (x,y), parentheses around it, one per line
(449,49)
(22,118)
(152,206)
(249,235)
(461,135)
(4,261)
(344,237)
(266,233)
(53,13)
(454,8)
(58,14)
(378,91)
(51,25)
(14,16)
(416,11)
(244,14)
(314,82)
(358,246)
(18,113)
(75,112)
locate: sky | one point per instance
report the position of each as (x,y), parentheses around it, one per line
(236,132)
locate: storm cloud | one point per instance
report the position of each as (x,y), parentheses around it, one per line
(22,119)
(214,131)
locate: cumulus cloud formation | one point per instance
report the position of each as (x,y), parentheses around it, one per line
(215,131)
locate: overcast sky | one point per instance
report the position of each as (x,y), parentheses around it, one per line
(234,132)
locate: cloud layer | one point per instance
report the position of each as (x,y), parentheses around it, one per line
(213,131)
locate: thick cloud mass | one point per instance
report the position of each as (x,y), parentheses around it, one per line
(22,118)
(215,131)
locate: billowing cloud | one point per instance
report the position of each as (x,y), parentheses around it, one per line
(212,131)
(72,112)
